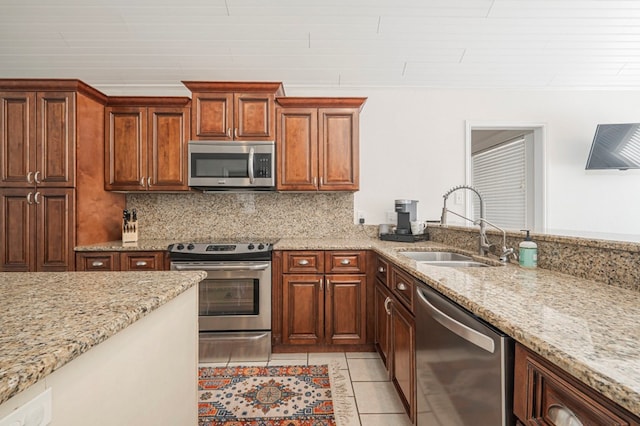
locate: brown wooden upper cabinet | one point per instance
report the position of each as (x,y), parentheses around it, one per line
(227,111)
(146,143)
(38,138)
(317,142)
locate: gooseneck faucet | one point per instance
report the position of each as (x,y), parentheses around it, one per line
(483,243)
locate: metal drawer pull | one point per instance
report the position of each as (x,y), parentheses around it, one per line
(29,175)
(321,284)
(401,286)
(228,132)
(36,197)
(141,263)
(303,262)
(235,133)
(345,261)
(562,416)
(142,181)
(30,198)
(35,177)
(97,263)
(380,269)
(149,181)
(387,302)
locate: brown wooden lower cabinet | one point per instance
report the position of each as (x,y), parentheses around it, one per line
(402,354)
(320,301)
(382,299)
(546,395)
(121,261)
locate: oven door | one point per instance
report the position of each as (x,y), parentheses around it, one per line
(235,296)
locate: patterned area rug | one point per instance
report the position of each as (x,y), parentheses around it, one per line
(271,396)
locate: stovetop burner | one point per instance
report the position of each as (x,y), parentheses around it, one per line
(220,251)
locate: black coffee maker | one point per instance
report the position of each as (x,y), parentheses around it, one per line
(406,211)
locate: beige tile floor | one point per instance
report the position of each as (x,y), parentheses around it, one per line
(372,399)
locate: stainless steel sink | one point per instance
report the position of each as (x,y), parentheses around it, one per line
(435,256)
(455,263)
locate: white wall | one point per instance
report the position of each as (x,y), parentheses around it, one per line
(412,146)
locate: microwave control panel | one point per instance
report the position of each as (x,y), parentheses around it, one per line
(262,165)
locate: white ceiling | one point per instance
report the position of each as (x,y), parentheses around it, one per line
(591,44)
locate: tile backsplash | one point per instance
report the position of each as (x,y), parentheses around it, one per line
(244,215)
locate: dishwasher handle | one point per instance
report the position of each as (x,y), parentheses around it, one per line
(470,335)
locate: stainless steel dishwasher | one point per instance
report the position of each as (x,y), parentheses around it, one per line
(464,366)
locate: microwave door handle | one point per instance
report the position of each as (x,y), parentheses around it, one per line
(251,177)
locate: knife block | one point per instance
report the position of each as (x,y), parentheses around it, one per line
(130,231)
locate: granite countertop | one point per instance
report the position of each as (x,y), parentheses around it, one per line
(50,318)
(587,328)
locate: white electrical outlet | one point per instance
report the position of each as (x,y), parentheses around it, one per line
(360,217)
(391,217)
(459,197)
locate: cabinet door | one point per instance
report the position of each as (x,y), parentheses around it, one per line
(17,221)
(254,117)
(142,261)
(55,152)
(345,309)
(338,155)
(167,148)
(303,309)
(212,116)
(403,355)
(18,133)
(125,145)
(382,310)
(97,261)
(55,229)
(297,148)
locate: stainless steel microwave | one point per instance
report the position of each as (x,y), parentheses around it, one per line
(231,165)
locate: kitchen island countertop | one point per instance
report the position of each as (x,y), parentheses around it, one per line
(50,318)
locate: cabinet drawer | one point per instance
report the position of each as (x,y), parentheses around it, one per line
(97,261)
(544,394)
(303,262)
(345,262)
(382,270)
(403,286)
(142,261)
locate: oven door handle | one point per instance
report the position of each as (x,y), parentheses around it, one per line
(256,267)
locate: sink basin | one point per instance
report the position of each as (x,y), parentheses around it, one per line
(455,263)
(436,256)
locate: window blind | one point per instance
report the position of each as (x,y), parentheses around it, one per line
(499,174)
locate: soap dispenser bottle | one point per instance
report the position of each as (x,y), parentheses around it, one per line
(528,252)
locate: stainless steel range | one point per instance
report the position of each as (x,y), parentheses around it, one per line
(234,299)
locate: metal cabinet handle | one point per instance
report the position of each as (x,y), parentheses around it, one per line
(387,302)
(141,263)
(35,177)
(36,197)
(562,416)
(321,181)
(148,181)
(30,198)
(381,269)
(142,181)
(29,176)
(97,263)
(235,133)
(401,286)
(303,262)
(315,181)
(322,284)
(228,132)
(345,261)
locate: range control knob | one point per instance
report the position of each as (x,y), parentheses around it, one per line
(180,246)
(251,246)
(260,246)
(190,246)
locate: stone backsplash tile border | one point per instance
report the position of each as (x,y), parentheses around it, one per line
(611,262)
